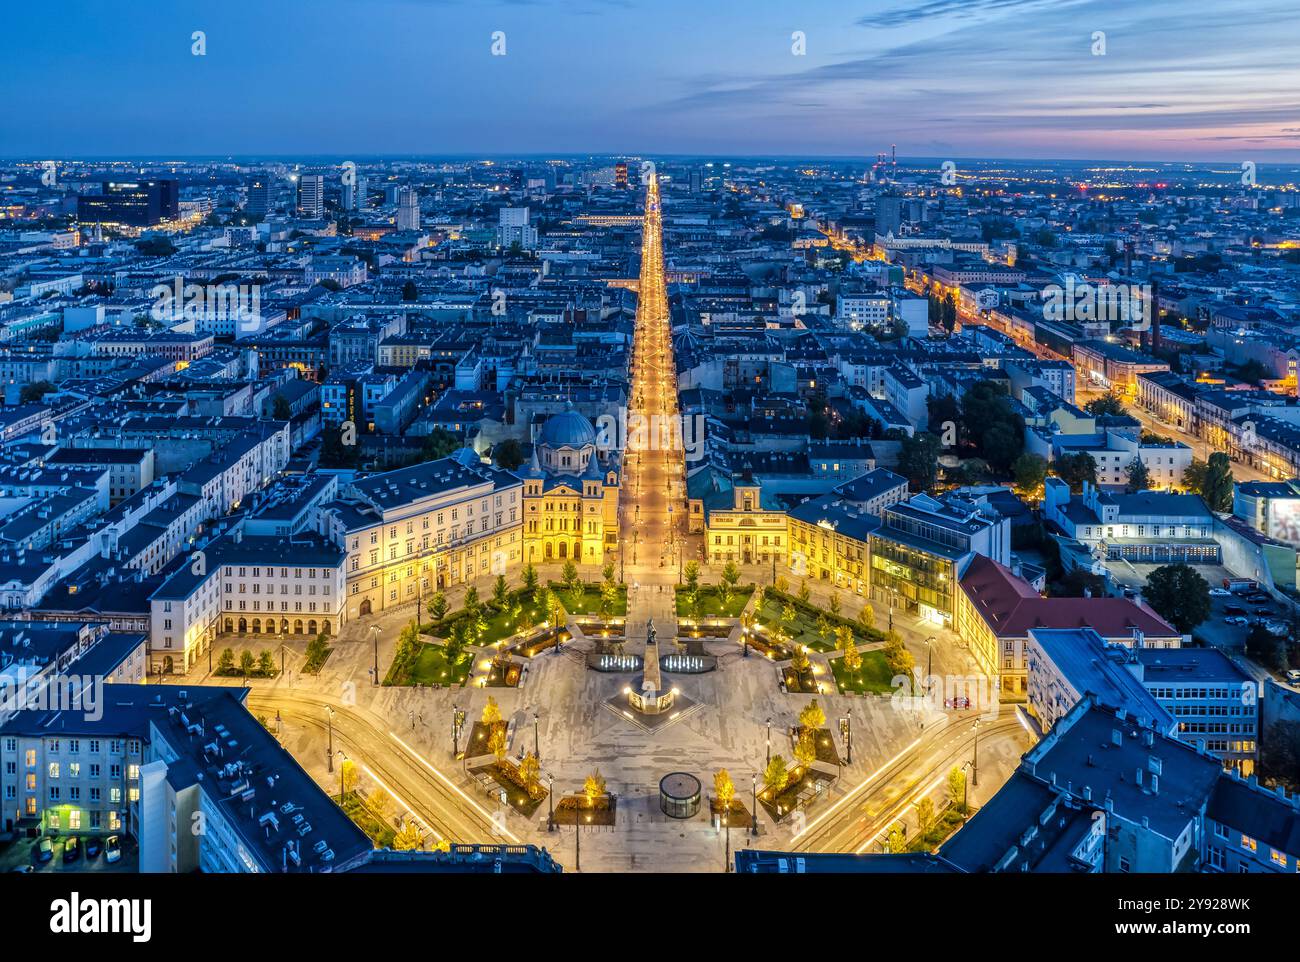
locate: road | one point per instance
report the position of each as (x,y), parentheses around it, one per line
(854,822)
(654,511)
(416,785)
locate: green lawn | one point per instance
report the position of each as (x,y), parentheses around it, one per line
(803,629)
(380,832)
(431,667)
(711,605)
(587,602)
(872,676)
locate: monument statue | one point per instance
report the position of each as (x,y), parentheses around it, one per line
(650,631)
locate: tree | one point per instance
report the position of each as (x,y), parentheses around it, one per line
(530,773)
(823,627)
(491,712)
(834,604)
(918,460)
(497,743)
(724,789)
(1029,471)
(1266,648)
(804,592)
(691,575)
(438,444)
(1002,444)
(845,643)
(348,776)
(924,814)
(957,789)
(471,602)
(776,776)
(500,592)
(1217,486)
(730,574)
(569,577)
(1180,595)
(508,454)
(530,580)
(897,657)
(1075,469)
(280,410)
(226,661)
(788,614)
(247,664)
(867,617)
(594,787)
(799,660)
(32,393)
(896,840)
(1279,755)
(266,664)
(608,598)
(812,717)
(409,837)
(438,606)
(805,749)
(782,584)
(1139,478)
(1109,403)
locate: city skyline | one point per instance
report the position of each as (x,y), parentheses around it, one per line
(1023,80)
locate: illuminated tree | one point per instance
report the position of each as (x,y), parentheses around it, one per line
(812,717)
(497,743)
(804,592)
(957,789)
(782,584)
(691,575)
(530,772)
(823,627)
(594,787)
(896,841)
(799,660)
(408,837)
(776,776)
(438,606)
(867,617)
(491,712)
(731,574)
(835,603)
(348,775)
(500,592)
(805,749)
(924,814)
(472,604)
(897,657)
(845,644)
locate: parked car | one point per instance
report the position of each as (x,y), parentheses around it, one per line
(71,849)
(93,847)
(44,850)
(112,849)
(1221,592)
(1234,620)
(1233,610)
(1293,676)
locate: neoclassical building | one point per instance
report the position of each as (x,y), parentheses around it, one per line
(570,494)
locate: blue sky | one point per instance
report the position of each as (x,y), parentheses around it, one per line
(941,78)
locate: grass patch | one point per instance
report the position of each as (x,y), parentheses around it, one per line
(803,629)
(710,603)
(586,600)
(378,829)
(576,809)
(432,668)
(938,833)
(872,677)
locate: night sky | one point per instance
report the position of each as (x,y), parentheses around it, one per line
(1195,80)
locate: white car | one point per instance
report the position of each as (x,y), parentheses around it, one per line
(1293,676)
(1234,620)
(1221,592)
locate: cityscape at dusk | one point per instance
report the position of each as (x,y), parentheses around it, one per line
(564,440)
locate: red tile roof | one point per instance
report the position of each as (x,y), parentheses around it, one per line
(1011,606)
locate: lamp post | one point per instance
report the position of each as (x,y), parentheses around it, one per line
(550,803)
(342,759)
(753,801)
(537,745)
(929,661)
(849,732)
(964,810)
(374,633)
(769,741)
(457,721)
(975,756)
(329,751)
(577,842)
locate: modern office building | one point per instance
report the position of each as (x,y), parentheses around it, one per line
(144,203)
(259,198)
(408,209)
(311,196)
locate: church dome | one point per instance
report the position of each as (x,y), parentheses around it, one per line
(568,429)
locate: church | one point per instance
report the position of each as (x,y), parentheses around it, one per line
(570,494)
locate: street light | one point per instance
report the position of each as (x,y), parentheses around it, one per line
(929,660)
(537,747)
(550,801)
(965,812)
(457,722)
(329,751)
(374,633)
(975,756)
(342,758)
(753,789)
(769,741)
